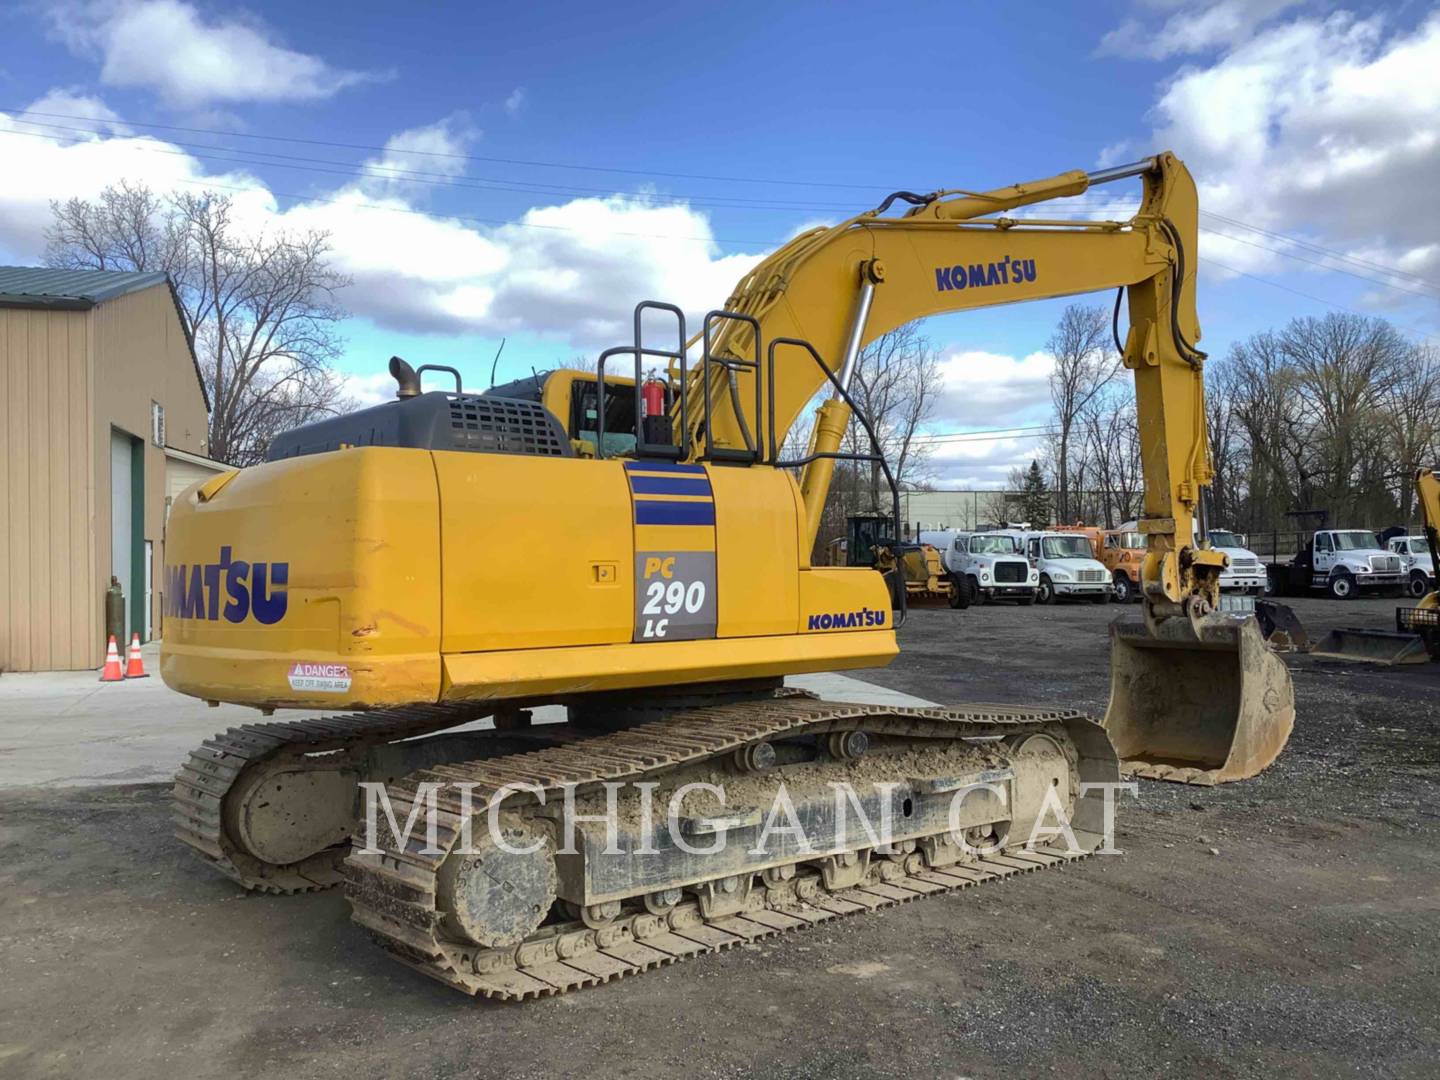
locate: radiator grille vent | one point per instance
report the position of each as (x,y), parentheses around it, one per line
(497,425)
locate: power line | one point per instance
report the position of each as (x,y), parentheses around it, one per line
(457,156)
(1321,249)
(311,199)
(360,172)
(1298,292)
(1095,204)
(996,435)
(382,171)
(1324,266)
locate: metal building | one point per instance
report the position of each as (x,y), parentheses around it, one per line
(97,377)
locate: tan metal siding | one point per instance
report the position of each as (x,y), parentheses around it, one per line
(141,356)
(46,538)
(65,378)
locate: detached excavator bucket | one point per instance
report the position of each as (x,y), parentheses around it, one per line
(1199,704)
(1385,647)
(1281,627)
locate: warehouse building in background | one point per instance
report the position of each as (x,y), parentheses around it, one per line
(98,378)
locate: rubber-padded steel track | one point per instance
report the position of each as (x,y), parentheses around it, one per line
(394,894)
(213,769)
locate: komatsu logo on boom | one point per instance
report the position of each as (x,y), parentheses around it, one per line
(196,592)
(1007,271)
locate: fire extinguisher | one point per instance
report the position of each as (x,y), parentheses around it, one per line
(656,421)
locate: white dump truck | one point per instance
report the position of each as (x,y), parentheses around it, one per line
(992,564)
(1066,565)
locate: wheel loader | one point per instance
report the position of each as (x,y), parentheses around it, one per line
(380,567)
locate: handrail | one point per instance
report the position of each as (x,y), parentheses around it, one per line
(876,455)
(752,453)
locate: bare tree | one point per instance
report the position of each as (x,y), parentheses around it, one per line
(896,384)
(1347,367)
(1084,365)
(1109,455)
(1412,421)
(259,307)
(126,228)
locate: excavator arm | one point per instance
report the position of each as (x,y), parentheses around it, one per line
(841,287)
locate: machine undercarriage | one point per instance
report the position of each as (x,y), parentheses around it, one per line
(879,806)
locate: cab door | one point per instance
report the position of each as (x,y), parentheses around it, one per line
(1401,548)
(1324,555)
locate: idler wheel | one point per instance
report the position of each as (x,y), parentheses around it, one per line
(494,897)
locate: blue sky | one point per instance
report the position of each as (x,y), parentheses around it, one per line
(657,151)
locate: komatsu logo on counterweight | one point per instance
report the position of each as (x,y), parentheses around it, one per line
(196,592)
(847,620)
(1007,271)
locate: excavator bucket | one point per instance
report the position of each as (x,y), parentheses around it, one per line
(1281,627)
(1197,704)
(1384,647)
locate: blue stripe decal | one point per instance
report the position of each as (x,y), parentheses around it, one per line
(670,485)
(663,466)
(674,513)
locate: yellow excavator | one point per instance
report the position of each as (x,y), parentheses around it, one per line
(634,547)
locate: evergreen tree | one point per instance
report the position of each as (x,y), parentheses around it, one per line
(1035,497)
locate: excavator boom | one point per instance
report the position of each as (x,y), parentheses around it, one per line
(840,288)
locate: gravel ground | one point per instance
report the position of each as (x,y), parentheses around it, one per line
(1306,946)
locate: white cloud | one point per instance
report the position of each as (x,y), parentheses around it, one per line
(1199,25)
(1324,127)
(572,271)
(436,150)
(44,165)
(372,389)
(991,390)
(168,46)
(60,109)
(987,391)
(515,101)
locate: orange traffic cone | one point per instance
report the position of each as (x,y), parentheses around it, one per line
(135,669)
(112,672)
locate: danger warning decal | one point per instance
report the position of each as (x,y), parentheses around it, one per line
(324,678)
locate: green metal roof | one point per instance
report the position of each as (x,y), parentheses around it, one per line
(41,287)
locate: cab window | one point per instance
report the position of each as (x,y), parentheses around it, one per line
(619,414)
(1322,542)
